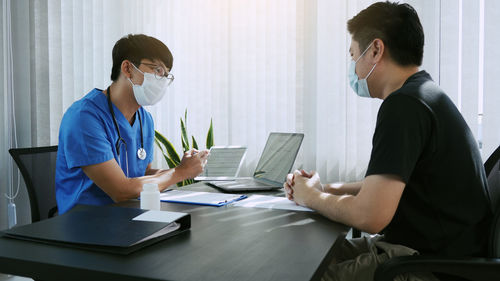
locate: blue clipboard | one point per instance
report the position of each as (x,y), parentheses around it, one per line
(199,197)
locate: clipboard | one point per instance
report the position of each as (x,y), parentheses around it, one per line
(199,197)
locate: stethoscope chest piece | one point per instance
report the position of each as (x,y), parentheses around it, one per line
(141,153)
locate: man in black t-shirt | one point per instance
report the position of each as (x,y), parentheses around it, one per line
(425,186)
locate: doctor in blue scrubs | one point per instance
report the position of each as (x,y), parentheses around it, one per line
(106,138)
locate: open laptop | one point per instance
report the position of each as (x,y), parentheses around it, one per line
(274,164)
(223,163)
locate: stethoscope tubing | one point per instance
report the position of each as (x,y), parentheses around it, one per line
(120,139)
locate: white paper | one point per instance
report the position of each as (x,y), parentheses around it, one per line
(159,216)
(270,202)
(197,197)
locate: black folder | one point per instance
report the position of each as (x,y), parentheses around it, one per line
(100,228)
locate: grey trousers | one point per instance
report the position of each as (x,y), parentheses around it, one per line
(357,259)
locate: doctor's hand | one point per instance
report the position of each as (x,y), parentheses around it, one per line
(305,187)
(192,163)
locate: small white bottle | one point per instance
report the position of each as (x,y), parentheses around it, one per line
(150,197)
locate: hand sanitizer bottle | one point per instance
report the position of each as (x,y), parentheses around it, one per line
(150,197)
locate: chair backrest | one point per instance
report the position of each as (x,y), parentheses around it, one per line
(492,168)
(38,168)
(495,237)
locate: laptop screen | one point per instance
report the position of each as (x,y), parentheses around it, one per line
(224,161)
(278,156)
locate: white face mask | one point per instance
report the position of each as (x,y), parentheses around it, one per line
(359,86)
(151,91)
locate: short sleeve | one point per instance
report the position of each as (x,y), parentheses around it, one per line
(85,141)
(403,128)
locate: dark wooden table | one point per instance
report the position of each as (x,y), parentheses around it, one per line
(224,243)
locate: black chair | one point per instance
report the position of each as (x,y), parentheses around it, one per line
(463,268)
(38,167)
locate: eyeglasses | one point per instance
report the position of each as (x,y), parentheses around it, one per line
(160,73)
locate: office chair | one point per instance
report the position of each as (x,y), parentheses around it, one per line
(38,167)
(468,268)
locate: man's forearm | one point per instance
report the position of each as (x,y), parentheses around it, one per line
(166,178)
(371,210)
(111,179)
(163,178)
(151,172)
(351,188)
(340,208)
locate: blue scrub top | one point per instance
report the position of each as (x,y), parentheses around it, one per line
(87,136)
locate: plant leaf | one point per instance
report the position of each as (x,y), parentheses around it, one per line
(172,154)
(210,136)
(184,137)
(183,144)
(185,182)
(195,144)
(170,163)
(159,145)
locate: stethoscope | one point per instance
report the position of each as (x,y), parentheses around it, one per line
(141,152)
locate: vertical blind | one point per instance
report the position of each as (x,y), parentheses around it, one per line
(253,66)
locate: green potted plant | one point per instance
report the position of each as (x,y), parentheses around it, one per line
(168,150)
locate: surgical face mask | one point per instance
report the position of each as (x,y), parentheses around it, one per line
(359,86)
(151,91)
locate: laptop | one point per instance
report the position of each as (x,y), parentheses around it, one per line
(274,165)
(223,163)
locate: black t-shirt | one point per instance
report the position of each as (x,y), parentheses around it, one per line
(422,137)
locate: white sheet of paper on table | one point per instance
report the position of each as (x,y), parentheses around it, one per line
(270,202)
(159,216)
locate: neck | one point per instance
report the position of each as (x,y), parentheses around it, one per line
(123,98)
(395,78)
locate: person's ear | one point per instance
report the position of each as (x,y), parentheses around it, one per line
(126,69)
(378,50)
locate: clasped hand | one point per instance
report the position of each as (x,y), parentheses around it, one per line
(301,186)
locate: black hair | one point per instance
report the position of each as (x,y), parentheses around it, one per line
(397,25)
(136,47)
